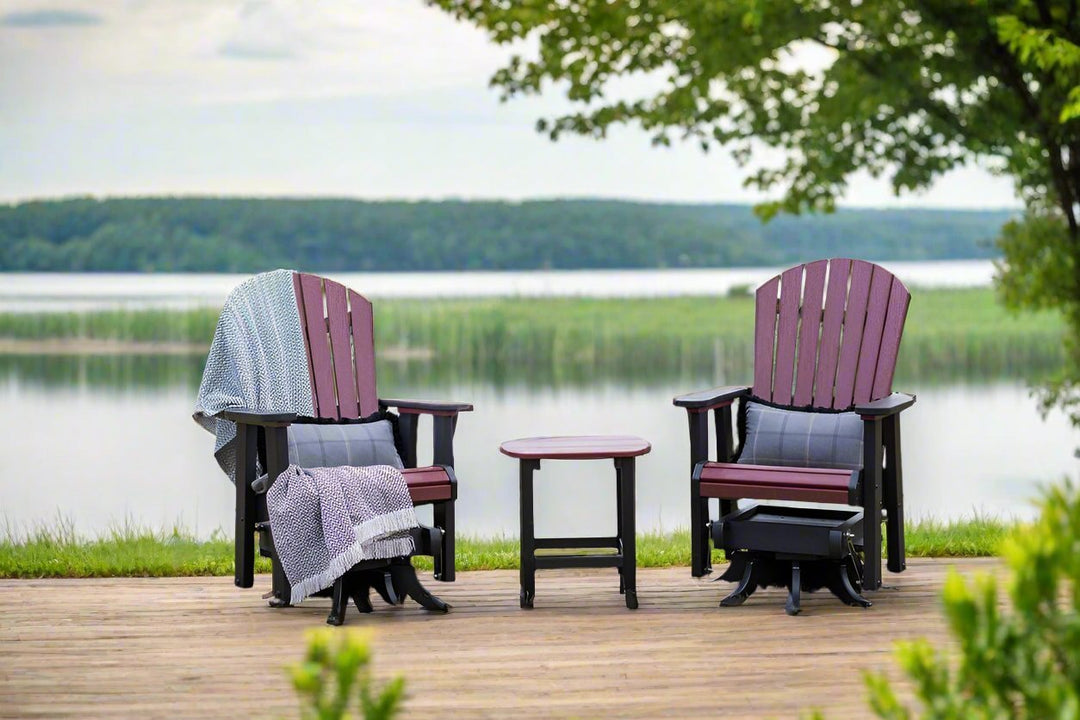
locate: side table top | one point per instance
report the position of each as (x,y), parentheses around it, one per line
(576,447)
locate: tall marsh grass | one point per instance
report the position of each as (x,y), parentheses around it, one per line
(950,334)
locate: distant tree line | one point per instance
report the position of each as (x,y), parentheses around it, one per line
(203,234)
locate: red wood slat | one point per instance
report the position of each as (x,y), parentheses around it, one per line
(765,337)
(337,317)
(854,316)
(831,324)
(775,475)
(809,331)
(427,484)
(363,334)
(736,491)
(303,331)
(899,299)
(319,347)
(876,306)
(787,332)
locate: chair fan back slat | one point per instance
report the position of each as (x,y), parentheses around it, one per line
(787,330)
(765,337)
(809,332)
(337,318)
(299,291)
(832,325)
(876,308)
(363,333)
(851,342)
(318,342)
(899,299)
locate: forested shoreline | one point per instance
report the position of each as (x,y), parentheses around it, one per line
(207,234)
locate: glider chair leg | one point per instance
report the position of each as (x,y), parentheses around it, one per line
(245,506)
(893,487)
(872,460)
(700,557)
(747,585)
(443,516)
(405,580)
(793,606)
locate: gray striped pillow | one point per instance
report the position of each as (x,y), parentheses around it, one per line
(353,444)
(802,438)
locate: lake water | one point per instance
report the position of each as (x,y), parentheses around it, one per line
(107,441)
(100,457)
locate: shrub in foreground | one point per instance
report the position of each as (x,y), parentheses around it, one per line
(334,677)
(1016,660)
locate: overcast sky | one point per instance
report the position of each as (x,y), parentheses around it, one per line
(357,98)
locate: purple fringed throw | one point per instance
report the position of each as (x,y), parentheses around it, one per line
(325,520)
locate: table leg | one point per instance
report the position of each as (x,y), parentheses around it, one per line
(528,534)
(619,514)
(627,536)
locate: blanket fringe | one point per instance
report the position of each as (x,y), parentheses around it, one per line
(380,526)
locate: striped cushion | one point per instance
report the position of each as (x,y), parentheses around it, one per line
(801,438)
(355,444)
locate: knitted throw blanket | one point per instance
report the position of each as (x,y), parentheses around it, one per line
(325,520)
(257,361)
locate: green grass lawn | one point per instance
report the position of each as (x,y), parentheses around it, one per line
(142,553)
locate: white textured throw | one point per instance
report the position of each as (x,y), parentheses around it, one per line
(257,361)
(325,520)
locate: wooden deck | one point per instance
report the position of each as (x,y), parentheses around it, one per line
(198,647)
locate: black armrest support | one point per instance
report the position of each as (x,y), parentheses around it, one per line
(250,417)
(426,406)
(444,414)
(706,399)
(888,405)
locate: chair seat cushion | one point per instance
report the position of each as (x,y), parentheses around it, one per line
(763,482)
(801,438)
(428,484)
(331,445)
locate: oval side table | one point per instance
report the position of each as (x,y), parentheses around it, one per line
(620,448)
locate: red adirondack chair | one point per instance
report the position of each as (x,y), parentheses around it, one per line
(338,332)
(827,335)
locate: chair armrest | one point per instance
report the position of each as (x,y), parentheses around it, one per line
(445,416)
(251,417)
(415,407)
(888,405)
(706,399)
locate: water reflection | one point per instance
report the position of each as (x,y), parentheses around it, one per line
(105,439)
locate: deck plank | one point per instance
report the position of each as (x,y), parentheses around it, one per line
(198,647)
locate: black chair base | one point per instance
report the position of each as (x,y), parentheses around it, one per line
(802,549)
(393,581)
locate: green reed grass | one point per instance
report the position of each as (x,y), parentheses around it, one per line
(950,334)
(134,552)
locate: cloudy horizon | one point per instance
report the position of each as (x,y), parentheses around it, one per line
(386,99)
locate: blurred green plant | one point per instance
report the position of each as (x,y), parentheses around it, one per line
(1017,661)
(335,671)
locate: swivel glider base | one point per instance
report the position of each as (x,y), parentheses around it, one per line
(393,582)
(753,570)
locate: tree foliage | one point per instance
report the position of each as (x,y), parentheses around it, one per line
(909,88)
(905,89)
(247,235)
(1021,661)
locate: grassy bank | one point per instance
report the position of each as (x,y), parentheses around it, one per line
(141,553)
(949,334)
